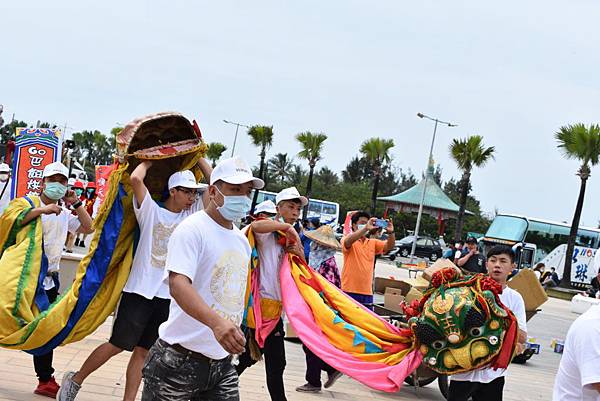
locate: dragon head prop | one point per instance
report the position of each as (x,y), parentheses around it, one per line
(460,324)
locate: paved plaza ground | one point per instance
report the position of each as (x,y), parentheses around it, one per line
(532,381)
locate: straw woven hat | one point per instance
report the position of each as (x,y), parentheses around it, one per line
(324,236)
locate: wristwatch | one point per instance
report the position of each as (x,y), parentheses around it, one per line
(76,204)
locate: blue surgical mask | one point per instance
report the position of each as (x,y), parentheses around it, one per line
(234,207)
(79,192)
(361,226)
(55,190)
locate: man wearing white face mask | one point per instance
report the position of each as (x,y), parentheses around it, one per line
(56,222)
(5,183)
(207,271)
(144,304)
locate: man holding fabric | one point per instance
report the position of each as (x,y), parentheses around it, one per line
(270,254)
(56,221)
(144,304)
(207,270)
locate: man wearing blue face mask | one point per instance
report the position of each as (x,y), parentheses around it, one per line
(144,304)
(56,222)
(207,271)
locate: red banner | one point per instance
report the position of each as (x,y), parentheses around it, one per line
(102,176)
(35,148)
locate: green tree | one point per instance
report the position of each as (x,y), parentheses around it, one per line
(7,132)
(583,144)
(312,146)
(262,137)
(297,175)
(377,151)
(92,148)
(468,153)
(327,177)
(215,151)
(280,166)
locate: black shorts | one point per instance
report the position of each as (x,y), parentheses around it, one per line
(137,320)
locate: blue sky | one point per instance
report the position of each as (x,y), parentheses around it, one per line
(513,72)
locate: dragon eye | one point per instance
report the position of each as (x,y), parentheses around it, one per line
(438,344)
(427,334)
(474,318)
(476,331)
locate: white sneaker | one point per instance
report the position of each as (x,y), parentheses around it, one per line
(68,388)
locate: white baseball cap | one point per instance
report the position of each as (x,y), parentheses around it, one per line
(265,207)
(4,168)
(235,171)
(184,179)
(289,194)
(56,168)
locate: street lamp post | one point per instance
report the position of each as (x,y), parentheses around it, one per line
(429,160)
(237,126)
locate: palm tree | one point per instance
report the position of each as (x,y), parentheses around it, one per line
(468,153)
(297,175)
(215,151)
(377,151)
(312,146)
(280,166)
(327,177)
(262,137)
(581,143)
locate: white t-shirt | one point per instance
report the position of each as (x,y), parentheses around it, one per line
(513,301)
(156,226)
(216,261)
(5,199)
(270,254)
(580,363)
(54,235)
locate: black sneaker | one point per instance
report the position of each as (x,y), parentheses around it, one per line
(332,378)
(308,388)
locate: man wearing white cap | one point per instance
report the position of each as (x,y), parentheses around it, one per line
(56,222)
(144,304)
(5,182)
(270,254)
(207,271)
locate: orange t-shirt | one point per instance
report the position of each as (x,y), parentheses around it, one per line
(359,262)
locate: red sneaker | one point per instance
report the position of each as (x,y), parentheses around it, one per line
(48,389)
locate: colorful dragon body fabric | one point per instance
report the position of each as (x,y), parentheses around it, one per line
(462,324)
(27,321)
(459,325)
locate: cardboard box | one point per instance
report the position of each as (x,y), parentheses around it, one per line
(413,294)
(382,283)
(526,283)
(438,265)
(392,299)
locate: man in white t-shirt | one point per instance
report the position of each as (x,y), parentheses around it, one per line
(207,271)
(5,182)
(578,376)
(56,222)
(487,384)
(270,253)
(144,304)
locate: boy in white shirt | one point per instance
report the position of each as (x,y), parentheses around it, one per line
(207,271)
(144,305)
(487,384)
(270,253)
(56,222)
